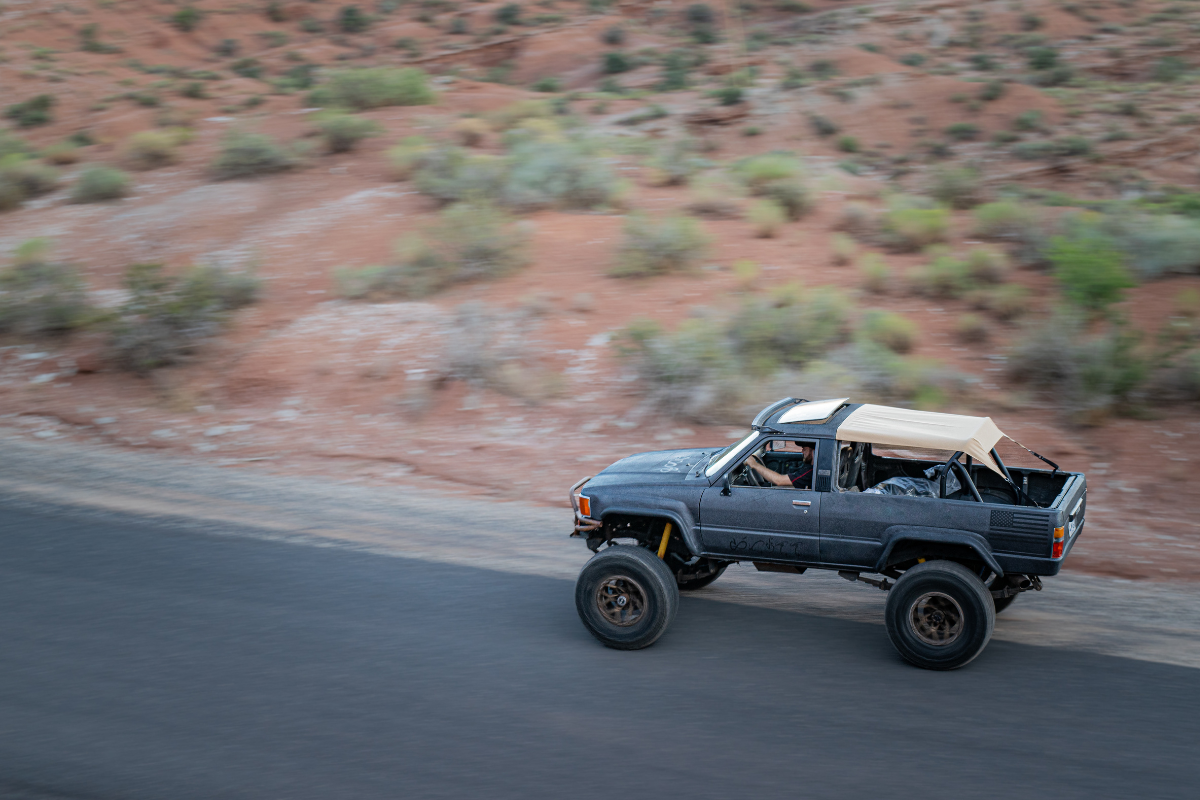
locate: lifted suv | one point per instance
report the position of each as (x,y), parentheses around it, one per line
(953,541)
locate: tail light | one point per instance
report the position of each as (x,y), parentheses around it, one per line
(1060,539)
(585,506)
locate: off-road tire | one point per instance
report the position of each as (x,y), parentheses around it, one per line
(1001,603)
(698,583)
(939,600)
(648,587)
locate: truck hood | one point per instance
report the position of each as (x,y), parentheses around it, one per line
(660,466)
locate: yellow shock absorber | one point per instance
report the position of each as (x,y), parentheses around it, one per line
(662,546)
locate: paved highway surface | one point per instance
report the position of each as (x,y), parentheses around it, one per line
(146,660)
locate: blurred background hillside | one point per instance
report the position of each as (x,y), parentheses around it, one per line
(433,241)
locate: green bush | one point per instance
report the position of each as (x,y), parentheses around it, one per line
(1066,147)
(986,266)
(374,87)
(41,298)
(847,144)
(151,150)
(1169,69)
(343,132)
(767,217)
(877,275)
(675,72)
(187,18)
(471,242)
(244,155)
(963,131)
(247,68)
(896,332)
(1155,245)
(167,316)
(547,84)
(452,174)
(992,90)
(616,62)
(657,246)
(509,14)
(1042,57)
(11,144)
(909,229)
(99,183)
(943,277)
(613,36)
(971,329)
(22,178)
(778,177)
(790,327)
(1090,270)
(1018,226)
(32,112)
(957,187)
(406,157)
(1087,376)
(675,163)
(351,19)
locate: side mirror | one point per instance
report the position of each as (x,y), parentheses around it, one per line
(725,490)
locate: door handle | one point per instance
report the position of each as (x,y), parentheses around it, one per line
(801,503)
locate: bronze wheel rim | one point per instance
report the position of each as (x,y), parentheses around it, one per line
(936,619)
(621,600)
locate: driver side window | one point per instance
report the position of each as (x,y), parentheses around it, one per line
(779,463)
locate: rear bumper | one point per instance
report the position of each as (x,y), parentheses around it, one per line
(1030,565)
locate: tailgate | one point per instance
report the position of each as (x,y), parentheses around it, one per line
(1073,505)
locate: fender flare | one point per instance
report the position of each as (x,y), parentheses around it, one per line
(911,533)
(676,512)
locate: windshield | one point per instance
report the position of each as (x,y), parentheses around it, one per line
(718,463)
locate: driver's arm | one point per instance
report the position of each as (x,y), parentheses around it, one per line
(768,473)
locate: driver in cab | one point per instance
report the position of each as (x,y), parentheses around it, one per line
(801,478)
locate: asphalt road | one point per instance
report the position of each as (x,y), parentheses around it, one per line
(149,661)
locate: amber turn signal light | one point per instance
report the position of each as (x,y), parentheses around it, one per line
(585,506)
(1059,541)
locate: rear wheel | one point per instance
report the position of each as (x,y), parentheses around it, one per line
(627,597)
(1001,603)
(939,615)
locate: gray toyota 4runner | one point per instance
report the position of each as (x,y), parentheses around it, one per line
(952,542)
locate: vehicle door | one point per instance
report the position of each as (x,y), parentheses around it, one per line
(769,523)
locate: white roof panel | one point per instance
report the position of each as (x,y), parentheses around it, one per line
(814,411)
(904,427)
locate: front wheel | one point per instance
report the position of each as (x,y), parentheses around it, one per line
(690,579)
(939,615)
(627,597)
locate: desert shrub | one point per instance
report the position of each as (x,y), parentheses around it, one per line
(244,155)
(547,84)
(406,157)
(822,126)
(616,62)
(1008,302)
(509,14)
(963,131)
(896,332)
(1088,376)
(614,36)
(342,132)
(674,163)
(912,59)
(971,329)
(1017,226)
(11,144)
(151,150)
(859,220)
(470,242)
(513,114)
(374,87)
(247,68)
(167,316)
(657,246)
(877,276)
(767,217)
(470,131)
(496,349)
(844,249)
(32,112)
(351,19)
(1168,69)
(1042,57)
(1066,147)
(60,153)
(847,144)
(778,177)
(22,178)
(690,373)
(39,297)
(986,266)
(187,18)
(451,175)
(99,183)
(1155,245)
(790,327)
(908,229)
(676,69)
(557,174)
(957,187)
(943,277)
(992,90)
(715,196)
(1090,270)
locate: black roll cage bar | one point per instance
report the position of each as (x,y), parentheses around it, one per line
(1023,497)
